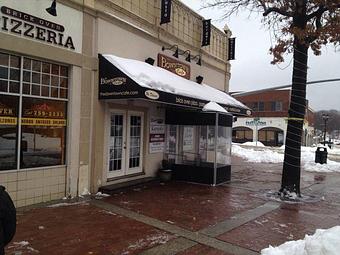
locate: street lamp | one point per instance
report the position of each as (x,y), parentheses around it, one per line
(325,118)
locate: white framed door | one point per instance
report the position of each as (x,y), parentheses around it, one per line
(116,144)
(134,153)
(125,146)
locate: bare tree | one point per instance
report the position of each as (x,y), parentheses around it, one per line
(298,26)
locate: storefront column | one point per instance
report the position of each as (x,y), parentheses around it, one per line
(73,133)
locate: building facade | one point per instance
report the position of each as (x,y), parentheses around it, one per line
(268,123)
(58,138)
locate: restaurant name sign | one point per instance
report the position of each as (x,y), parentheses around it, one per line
(174,66)
(22,24)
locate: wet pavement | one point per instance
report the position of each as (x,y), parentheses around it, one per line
(239,218)
(186,205)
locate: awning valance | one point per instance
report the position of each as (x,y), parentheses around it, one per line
(121,78)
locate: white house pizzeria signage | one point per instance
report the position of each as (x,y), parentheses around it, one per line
(174,66)
(28,19)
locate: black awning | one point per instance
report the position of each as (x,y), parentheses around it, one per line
(117,84)
(197,118)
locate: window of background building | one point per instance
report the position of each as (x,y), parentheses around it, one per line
(254,106)
(43,107)
(261,107)
(276,106)
(257,106)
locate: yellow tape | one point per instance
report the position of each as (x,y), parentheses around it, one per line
(11,121)
(298,119)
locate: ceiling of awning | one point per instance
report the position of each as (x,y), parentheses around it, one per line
(121,78)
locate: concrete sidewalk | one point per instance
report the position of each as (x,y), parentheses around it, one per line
(239,218)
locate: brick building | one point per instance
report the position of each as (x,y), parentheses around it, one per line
(268,123)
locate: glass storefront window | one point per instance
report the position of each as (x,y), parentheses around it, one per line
(224,146)
(43,132)
(43,117)
(8,132)
(45,79)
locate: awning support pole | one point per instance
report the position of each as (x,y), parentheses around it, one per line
(215,161)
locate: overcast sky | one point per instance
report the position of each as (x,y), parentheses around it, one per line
(251,70)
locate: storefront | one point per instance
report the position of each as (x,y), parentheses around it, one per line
(188,132)
(40,73)
(70,124)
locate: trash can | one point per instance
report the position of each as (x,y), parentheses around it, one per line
(321,155)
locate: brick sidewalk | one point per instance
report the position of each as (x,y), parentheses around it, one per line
(239,218)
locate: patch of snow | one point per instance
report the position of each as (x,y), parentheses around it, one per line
(323,242)
(258,222)
(256,156)
(331,166)
(67,204)
(259,144)
(148,241)
(109,212)
(289,195)
(157,78)
(85,192)
(213,107)
(22,243)
(268,155)
(290,237)
(100,194)
(41,227)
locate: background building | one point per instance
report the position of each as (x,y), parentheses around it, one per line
(268,123)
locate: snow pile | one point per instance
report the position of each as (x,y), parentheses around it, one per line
(257,156)
(323,242)
(258,144)
(267,155)
(313,149)
(160,79)
(213,107)
(331,166)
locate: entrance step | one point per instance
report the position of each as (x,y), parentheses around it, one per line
(110,189)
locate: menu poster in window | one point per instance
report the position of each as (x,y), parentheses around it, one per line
(40,112)
(157,126)
(157,135)
(188,138)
